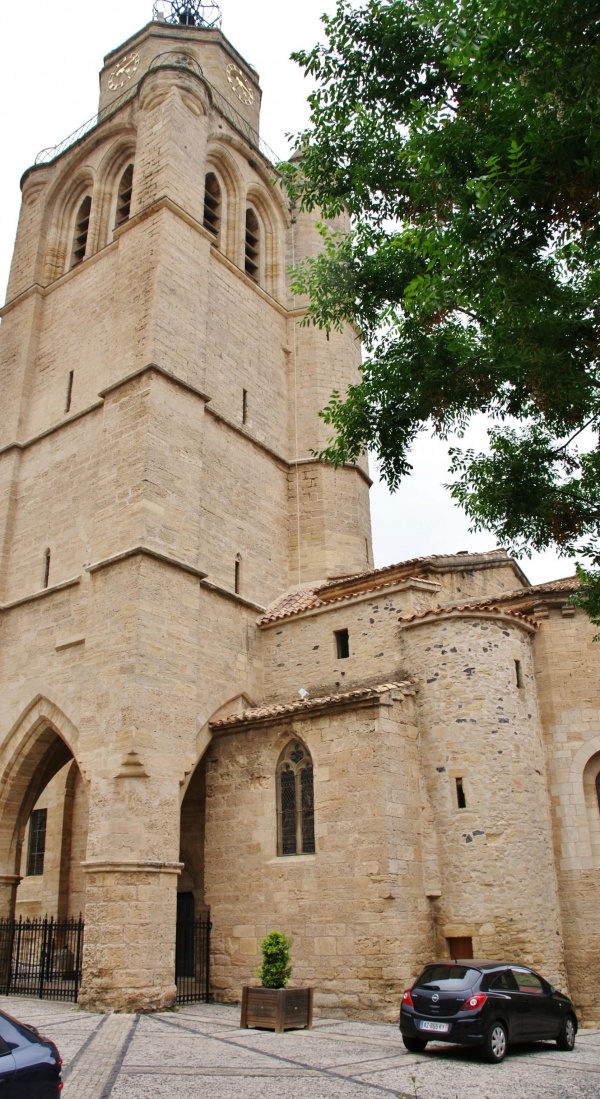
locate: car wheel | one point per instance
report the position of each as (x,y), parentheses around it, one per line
(494,1047)
(414,1045)
(566,1038)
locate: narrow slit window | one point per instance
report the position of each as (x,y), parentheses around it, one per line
(212,205)
(244,405)
(47,557)
(69,392)
(296,802)
(519,673)
(598,789)
(237,576)
(82,225)
(252,245)
(342,644)
(124,196)
(461,800)
(37,842)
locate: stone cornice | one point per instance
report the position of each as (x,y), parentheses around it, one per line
(122,866)
(51,590)
(233,596)
(156,369)
(507,618)
(145,551)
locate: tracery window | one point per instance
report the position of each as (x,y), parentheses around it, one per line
(37,842)
(82,225)
(295,801)
(124,196)
(212,205)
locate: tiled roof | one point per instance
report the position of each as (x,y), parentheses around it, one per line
(416,568)
(568,585)
(305,705)
(485,607)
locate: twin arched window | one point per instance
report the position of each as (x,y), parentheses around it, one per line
(213,219)
(295,801)
(79,248)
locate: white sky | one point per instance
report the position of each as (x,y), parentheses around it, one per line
(50,54)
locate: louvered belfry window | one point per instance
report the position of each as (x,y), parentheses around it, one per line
(124,196)
(296,803)
(252,251)
(82,224)
(212,205)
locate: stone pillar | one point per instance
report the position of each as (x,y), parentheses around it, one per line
(9,883)
(129,945)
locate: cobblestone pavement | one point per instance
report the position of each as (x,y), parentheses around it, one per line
(199,1052)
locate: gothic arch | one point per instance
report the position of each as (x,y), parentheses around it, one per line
(591,793)
(272,245)
(39,744)
(59,238)
(116,160)
(219,161)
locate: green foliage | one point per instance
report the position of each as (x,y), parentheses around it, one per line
(276,969)
(462,137)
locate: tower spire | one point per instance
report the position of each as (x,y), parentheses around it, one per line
(188,13)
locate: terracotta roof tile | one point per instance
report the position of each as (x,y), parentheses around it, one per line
(482,607)
(333,591)
(305,705)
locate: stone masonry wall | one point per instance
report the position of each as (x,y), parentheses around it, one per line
(498,878)
(355,910)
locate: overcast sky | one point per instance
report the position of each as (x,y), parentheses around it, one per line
(50,54)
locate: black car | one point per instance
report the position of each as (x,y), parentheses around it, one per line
(29,1064)
(489,1005)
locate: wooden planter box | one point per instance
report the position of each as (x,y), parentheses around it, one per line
(277,1009)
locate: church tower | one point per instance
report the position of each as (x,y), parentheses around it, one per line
(158,479)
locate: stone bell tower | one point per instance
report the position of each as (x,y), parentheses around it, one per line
(158,484)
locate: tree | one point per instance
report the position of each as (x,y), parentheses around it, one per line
(463,138)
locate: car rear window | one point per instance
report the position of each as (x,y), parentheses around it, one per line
(448,978)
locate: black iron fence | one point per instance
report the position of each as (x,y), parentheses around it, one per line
(192,959)
(41,957)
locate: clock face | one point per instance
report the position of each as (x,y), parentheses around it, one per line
(124,71)
(240,85)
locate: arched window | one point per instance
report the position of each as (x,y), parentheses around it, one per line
(252,255)
(82,224)
(124,196)
(237,577)
(295,801)
(212,205)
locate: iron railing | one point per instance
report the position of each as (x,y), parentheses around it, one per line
(41,958)
(192,961)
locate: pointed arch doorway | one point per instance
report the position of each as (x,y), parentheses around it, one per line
(43,841)
(192,939)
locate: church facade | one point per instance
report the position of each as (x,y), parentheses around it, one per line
(206,689)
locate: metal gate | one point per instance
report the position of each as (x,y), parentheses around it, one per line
(41,958)
(192,959)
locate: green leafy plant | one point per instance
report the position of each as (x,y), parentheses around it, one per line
(461,139)
(276,965)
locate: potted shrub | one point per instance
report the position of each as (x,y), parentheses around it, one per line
(274,1006)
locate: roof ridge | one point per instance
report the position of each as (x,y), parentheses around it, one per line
(302,705)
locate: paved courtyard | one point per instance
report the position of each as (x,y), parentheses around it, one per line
(199,1052)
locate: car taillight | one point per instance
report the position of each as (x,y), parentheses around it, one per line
(60,1086)
(475,1001)
(407,998)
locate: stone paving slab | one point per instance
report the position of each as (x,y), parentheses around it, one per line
(199,1052)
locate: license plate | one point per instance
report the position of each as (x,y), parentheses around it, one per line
(441,1028)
